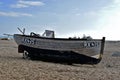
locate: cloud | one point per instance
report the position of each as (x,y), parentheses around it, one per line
(32,3)
(110,16)
(78,14)
(116,1)
(109,20)
(24,4)
(19,6)
(14,14)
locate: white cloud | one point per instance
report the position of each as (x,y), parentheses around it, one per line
(116,1)
(23,4)
(109,20)
(106,23)
(32,3)
(19,6)
(78,14)
(91,13)
(15,14)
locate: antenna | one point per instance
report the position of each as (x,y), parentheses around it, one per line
(22,31)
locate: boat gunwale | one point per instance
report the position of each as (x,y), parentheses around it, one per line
(66,39)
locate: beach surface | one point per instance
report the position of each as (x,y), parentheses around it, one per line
(14,67)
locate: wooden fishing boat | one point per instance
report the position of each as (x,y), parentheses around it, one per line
(70,50)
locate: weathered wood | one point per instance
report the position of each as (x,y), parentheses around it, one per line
(86,47)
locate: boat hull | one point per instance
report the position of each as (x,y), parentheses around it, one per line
(59,56)
(61,50)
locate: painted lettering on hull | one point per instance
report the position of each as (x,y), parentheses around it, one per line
(83,44)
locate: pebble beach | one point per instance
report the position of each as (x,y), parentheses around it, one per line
(14,67)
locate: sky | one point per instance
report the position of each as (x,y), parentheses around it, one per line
(68,18)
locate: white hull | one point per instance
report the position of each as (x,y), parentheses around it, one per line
(90,48)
